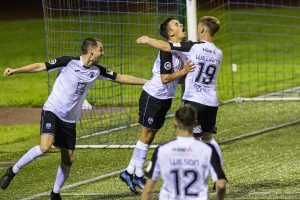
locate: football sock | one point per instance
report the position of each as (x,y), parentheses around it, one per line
(29,156)
(61,176)
(217,147)
(138,159)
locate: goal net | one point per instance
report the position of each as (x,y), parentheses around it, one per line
(110,111)
(260,41)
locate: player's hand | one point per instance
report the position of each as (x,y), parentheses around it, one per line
(188,66)
(143,40)
(8,72)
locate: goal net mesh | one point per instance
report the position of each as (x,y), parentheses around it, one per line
(260,41)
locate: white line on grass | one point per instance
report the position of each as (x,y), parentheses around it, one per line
(257,132)
(75,184)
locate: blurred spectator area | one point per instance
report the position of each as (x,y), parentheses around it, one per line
(20,9)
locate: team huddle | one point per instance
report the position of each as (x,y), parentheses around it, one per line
(186,163)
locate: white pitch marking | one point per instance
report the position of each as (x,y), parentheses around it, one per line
(75,184)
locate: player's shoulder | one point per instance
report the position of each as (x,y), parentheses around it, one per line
(165,144)
(202,145)
(68,58)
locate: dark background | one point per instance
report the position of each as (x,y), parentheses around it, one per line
(27,9)
(21,9)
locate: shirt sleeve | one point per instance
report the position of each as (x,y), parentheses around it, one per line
(183,46)
(216,166)
(165,62)
(106,74)
(58,63)
(153,169)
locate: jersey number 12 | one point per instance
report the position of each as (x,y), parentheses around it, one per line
(191,174)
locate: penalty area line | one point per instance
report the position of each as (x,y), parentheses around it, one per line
(75,184)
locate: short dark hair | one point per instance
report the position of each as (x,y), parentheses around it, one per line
(212,23)
(87,43)
(186,117)
(164,28)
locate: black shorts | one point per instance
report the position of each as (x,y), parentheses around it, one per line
(153,111)
(206,116)
(64,132)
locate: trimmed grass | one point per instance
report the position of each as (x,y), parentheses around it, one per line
(260,167)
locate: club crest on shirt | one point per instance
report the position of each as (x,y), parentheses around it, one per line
(92,74)
(48,125)
(150,120)
(52,62)
(167,65)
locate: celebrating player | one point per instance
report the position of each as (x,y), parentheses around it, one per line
(155,101)
(201,84)
(185,164)
(64,104)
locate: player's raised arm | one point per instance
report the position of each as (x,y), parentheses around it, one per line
(130,80)
(35,67)
(159,44)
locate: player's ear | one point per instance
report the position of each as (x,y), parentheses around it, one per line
(202,30)
(171,33)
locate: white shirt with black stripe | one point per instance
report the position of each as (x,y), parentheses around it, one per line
(71,86)
(184,165)
(165,63)
(201,84)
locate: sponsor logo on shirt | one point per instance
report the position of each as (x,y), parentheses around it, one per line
(167,65)
(77,70)
(182,149)
(52,62)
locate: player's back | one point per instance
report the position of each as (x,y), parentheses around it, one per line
(185,167)
(201,84)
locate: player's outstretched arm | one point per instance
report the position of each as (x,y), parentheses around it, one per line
(35,67)
(159,44)
(147,193)
(188,67)
(130,80)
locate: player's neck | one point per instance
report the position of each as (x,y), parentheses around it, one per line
(175,40)
(86,60)
(183,133)
(206,38)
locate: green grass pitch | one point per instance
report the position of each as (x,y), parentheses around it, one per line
(261,167)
